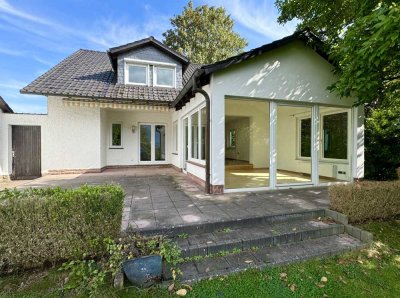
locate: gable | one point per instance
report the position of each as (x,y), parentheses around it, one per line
(291,72)
(150,54)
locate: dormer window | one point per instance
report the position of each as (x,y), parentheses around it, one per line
(137,74)
(164,77)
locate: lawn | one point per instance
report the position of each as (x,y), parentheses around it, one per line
(371,272)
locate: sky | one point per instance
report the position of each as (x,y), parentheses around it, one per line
(35,35)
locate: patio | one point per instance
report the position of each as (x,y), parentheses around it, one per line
(162,197)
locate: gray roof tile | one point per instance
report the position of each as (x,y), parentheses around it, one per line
(89,73)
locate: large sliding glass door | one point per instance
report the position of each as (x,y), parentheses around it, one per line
(152,143)
(293,145)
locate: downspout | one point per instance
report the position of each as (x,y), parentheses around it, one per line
(196,89)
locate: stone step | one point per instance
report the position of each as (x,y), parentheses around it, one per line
(211,226)
(256,236)
(266,257)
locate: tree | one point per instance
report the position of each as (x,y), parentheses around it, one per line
(204,34)
(363,38)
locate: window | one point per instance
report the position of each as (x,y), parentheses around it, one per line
(195,135)
(175,137)
(305,137)
(164,77)
(116,135)
(137,74)
(203,125)
(335,136)
(159,142)
(232,138)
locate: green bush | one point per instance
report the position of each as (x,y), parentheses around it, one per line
(45,226)
(366,200)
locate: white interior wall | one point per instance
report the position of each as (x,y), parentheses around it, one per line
(258,112)
(241,125)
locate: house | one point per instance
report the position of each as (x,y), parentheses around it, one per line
(263,119)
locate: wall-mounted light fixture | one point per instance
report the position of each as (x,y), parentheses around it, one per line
(133,128)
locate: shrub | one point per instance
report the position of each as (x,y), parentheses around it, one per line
(45,226)
(366,200)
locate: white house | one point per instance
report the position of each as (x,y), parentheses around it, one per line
(261,120)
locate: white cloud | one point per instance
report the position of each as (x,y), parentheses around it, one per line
(258,16)
(8,8)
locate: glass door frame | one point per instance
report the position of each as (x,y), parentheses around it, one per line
(315,144)
(185,143)
(153,145)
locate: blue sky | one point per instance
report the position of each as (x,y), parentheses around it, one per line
(37,34)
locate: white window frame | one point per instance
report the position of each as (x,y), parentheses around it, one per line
(111,136)
(157,66)
(152,136)
(189,116)
(126,75)
(327,113)
(175,135)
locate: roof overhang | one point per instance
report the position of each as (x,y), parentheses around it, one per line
(202,76)
(4,106)
(113,53)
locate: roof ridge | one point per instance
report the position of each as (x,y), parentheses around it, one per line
(89,50)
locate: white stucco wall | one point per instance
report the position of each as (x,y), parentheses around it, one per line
(129,153)
(291,73)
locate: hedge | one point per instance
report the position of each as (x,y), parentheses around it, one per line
(367,200)
(45,226)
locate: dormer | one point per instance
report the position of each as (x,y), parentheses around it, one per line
(148,62)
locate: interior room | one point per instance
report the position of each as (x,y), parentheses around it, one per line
(247,144)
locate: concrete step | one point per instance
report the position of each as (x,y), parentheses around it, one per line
(256,236)
(266,257)
(212,226)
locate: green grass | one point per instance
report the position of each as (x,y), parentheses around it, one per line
(373,272)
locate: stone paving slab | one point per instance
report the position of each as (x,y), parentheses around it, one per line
(267,257)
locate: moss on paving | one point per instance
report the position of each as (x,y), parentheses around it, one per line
(373,272)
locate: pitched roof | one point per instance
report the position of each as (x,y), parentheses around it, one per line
(192,67)
(88,74)
(202,73)
(4,106)
(114,52)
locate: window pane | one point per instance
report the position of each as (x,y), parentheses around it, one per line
(195,135)
(137,74)
(203,132)
(186,136)
(116,134)
(305,137)
(176,136)
(160,142)
(165,76)
(145,142)
(335,136)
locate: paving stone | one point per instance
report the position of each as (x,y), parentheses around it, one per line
(211,264)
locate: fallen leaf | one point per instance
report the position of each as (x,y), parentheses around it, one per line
(248,261)
(292,287)
(324,279)
(187,287)
(283,276)
(294,229)
(321,285)
(342,280)
(181,292)
(171,287)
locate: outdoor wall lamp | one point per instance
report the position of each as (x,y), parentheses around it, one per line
(133,128)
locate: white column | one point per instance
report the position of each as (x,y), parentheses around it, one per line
(315,137)
(273,117)
(358,142)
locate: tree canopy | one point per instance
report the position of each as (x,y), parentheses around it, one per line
(204,34)
(363,38)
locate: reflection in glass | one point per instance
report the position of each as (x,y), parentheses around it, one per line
(145,142)
(159,142)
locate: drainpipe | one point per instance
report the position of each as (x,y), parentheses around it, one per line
(196,89)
